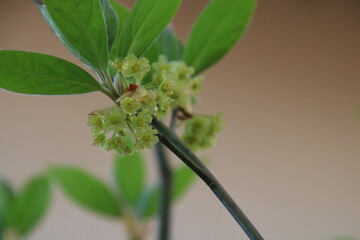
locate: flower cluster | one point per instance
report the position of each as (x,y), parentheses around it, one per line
(126,127)
(154,96)
(115,129)
(185,87)
(201,131)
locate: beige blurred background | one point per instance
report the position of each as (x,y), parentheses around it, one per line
(289,152)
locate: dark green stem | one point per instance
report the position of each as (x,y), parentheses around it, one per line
(165,202)
(173,119)
(172,142)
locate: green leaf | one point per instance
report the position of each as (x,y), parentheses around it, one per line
(111,20)
(130,176)
(166,44)
(45,13)
(149,204)
(218,28)
(86,190)
(30,206)
(122,13)
(183,179)
(35,73)
(82,24)
(146,21)
(6,199)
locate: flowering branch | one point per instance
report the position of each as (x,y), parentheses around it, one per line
(151,74)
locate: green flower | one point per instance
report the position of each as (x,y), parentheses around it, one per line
(114,119)
(130,105)
(167,87)
(163,103)
(115,143)
(117,64)
(182,98)
(99,140)
(159,77)
(142,120)
(196,85)
(215,125)
(149,102)
(96,122)
(162,64)
(200,131)
(183,71)
(134,67)
(146,139)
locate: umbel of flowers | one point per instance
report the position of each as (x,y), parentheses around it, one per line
(151,91)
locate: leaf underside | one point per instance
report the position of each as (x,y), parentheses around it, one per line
(86,190)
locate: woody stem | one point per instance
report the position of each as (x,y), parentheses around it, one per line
(174,144)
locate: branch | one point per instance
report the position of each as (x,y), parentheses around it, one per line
(172,142)
(166,181)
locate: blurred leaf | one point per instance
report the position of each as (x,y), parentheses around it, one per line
(149,204)
(30,205)
(183,179)
(122,13)
(111,21)
(35,73)
(146,21)
(218,28)
(86,190)
(166,44)
(130,176)
(82,24)
(6,199)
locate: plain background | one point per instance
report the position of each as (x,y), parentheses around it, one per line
(289,153)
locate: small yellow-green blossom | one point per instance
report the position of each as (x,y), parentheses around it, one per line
(114,119)
(142,120)
(97,122)
(183,71)
(159,77)
(149,102)
(162,64)
(130,105)
(163,103)
(131,66)
(196,85)
(167,87)
(99,140)
(146,139)
(200,131)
